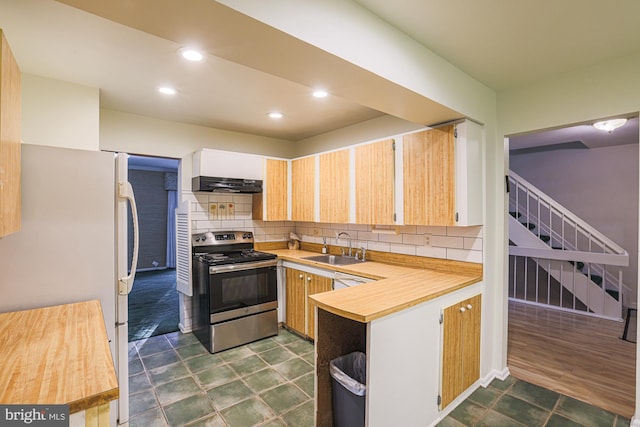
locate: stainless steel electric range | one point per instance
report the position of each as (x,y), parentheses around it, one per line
(235,291)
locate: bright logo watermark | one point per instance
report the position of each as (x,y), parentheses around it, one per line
(34,415)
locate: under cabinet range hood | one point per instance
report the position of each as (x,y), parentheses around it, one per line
(226,185)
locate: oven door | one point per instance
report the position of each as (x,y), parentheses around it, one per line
(238,290)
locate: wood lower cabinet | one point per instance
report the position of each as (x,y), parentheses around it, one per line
(460,348)
(300,313)
(10,122)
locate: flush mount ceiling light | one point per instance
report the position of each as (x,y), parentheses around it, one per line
(609,125)
(320,93)
(167,90)
(191,54)
(276,115)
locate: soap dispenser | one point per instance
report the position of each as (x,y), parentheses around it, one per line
(324,245)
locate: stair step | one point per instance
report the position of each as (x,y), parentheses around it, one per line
(615,294)
(515,214)
(596,279)
(529,225)
(545,238)
(558,248)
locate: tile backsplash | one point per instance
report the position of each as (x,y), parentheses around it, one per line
(454,243)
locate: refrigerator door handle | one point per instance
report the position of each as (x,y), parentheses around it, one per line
(125,191)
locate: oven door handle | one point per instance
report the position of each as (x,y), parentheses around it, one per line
(241,267)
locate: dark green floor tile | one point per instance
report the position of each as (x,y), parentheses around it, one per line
(141,402)
(160,359)
(263,380)
(177,390)
(153,417)
(213,421)
(283,398)
(496,419)
(168,373)
(201,363)
(153,345)
(300,347)
(138,383)
(503,385)
(178,339)
(307,383)
(547,399)
(248,365)
(191,350)
(521,411)
(262,345)
(468,412)
(135,366)
(302,416)
(583,413)
(485,396)
(286,337)
(132,351)
(236,353)
(229,394)
(310,357)
(216,376)
(622,422)
(189,409)
(247,413)
(560,421)
(450,422)
(274,423)
(276,355)
(294,368)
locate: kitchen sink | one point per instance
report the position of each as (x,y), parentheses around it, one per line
(333,259)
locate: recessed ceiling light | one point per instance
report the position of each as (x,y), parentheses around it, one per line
(609,125)
(167,90)
(276,115)
(320,94)
(191,55)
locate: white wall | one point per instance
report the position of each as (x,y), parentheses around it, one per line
(134,134)
(59,114)
(599,185)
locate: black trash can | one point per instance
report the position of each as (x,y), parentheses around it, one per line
(348,380)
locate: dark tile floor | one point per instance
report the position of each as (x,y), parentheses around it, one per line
(175,381)
(514,403)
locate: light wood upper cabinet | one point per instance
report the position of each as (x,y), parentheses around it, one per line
(429,180)
(374,173)
(271,204)
(460,348)
(442,176)
(10,122)
(303,175)
(334,187)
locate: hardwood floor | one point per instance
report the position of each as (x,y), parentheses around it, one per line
(576,355)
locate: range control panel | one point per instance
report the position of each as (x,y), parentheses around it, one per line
(221,238)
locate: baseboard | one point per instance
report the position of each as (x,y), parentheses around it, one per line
(635,422)
(495,374)
(184,329)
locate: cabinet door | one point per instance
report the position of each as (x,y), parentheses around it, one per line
(315,285)
(460,348)
(10,122)
(429,177)
(271,204)
(334,187)
(374,183)
(303,175)
(295,300)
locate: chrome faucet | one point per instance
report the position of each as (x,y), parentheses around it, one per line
(348,240)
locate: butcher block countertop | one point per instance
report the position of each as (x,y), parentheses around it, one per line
(56,355)
(396,288)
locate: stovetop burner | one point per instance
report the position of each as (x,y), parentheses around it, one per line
(227,247)
(235,257)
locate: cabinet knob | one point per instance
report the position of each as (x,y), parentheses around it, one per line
(469,306)
(308,278)
(300,276)
(462,309)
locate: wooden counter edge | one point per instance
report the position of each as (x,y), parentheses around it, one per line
(93,401)
(368,317)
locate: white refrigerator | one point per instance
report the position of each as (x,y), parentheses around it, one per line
(73,243)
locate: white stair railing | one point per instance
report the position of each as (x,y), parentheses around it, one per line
(570,251)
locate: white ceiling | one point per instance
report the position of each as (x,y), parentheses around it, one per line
(502,43)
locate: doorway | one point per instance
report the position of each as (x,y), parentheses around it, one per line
(153,302)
